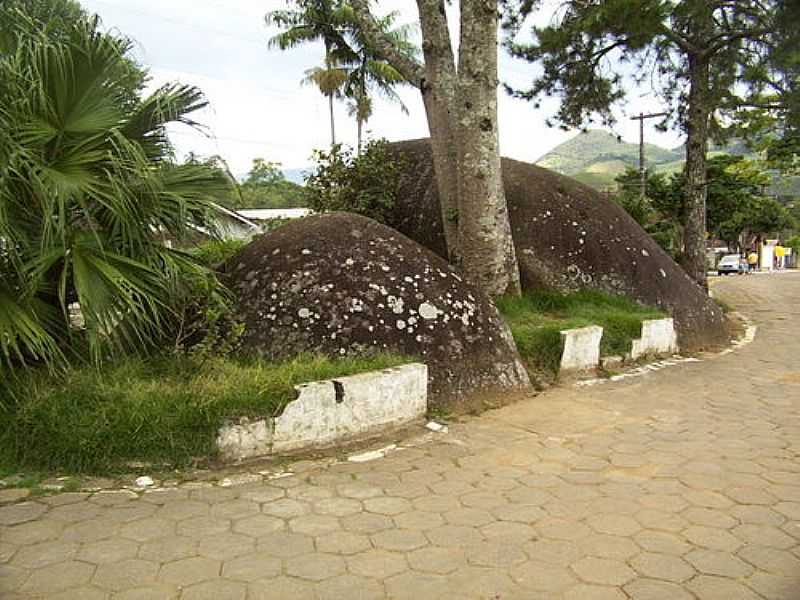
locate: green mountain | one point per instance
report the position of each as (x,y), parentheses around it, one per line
(598,156)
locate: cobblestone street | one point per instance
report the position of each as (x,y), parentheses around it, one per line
(678,484)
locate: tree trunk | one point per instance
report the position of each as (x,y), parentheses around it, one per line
(487,248)
(333,129)
(328,64)
(438,93)
(694,258)
(462,118)
(360,111)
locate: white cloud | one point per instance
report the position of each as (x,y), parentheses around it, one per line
(257,106)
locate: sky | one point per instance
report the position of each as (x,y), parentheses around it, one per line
(258,108)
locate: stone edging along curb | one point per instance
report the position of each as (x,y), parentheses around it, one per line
(658,337)
(273,472)
(326,413)
(676,359)
(582,346)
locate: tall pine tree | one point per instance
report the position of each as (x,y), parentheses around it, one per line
(702,56)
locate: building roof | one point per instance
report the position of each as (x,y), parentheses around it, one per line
(267,214)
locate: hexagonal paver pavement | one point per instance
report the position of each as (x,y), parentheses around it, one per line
(682,484)
(188,571)
(315,567)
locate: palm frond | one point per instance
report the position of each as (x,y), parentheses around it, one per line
(121,299)
(293,37)
(329,80)
(24,335)
(171,103)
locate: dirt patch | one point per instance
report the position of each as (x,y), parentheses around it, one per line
(343,284)
(567,237)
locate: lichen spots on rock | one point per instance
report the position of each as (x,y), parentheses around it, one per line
(389,293)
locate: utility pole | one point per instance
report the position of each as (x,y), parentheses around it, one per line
(642,167)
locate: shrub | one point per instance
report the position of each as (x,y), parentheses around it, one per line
(366,184)
(794,244)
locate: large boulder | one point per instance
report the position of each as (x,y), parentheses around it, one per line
(567,236)
(341,284)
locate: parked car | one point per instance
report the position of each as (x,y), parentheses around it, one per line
(731,264)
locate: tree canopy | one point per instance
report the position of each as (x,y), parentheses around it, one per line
(770,119)
(353,68)
(737,205)
(266,187)
(370,74)
(588,51)
(706,58)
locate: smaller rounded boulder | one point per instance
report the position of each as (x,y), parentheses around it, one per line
(343,284)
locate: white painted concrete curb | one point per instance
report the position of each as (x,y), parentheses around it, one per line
(658,337)
(330,412)
(581,348)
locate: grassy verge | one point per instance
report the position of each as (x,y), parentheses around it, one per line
(536,319)
(163,411)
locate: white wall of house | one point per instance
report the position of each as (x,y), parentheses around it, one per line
(768,255)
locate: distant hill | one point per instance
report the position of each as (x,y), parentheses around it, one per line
(297,176)
(598,156)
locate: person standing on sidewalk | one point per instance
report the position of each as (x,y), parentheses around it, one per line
(779,254)
(752,260)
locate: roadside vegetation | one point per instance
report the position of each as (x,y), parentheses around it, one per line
(738,209)
(159,412)
(94,203)
(117,339)
(537,318)
(212,253)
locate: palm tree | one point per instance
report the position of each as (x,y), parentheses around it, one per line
(313,21)
(368,72)
(330,81)
(89,189)
(360,108)
(367,75)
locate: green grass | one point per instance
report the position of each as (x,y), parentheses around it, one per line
(163,411)
(537,318)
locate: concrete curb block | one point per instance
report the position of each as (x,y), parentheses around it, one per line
(658,337)
(581,348)
(329,412)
